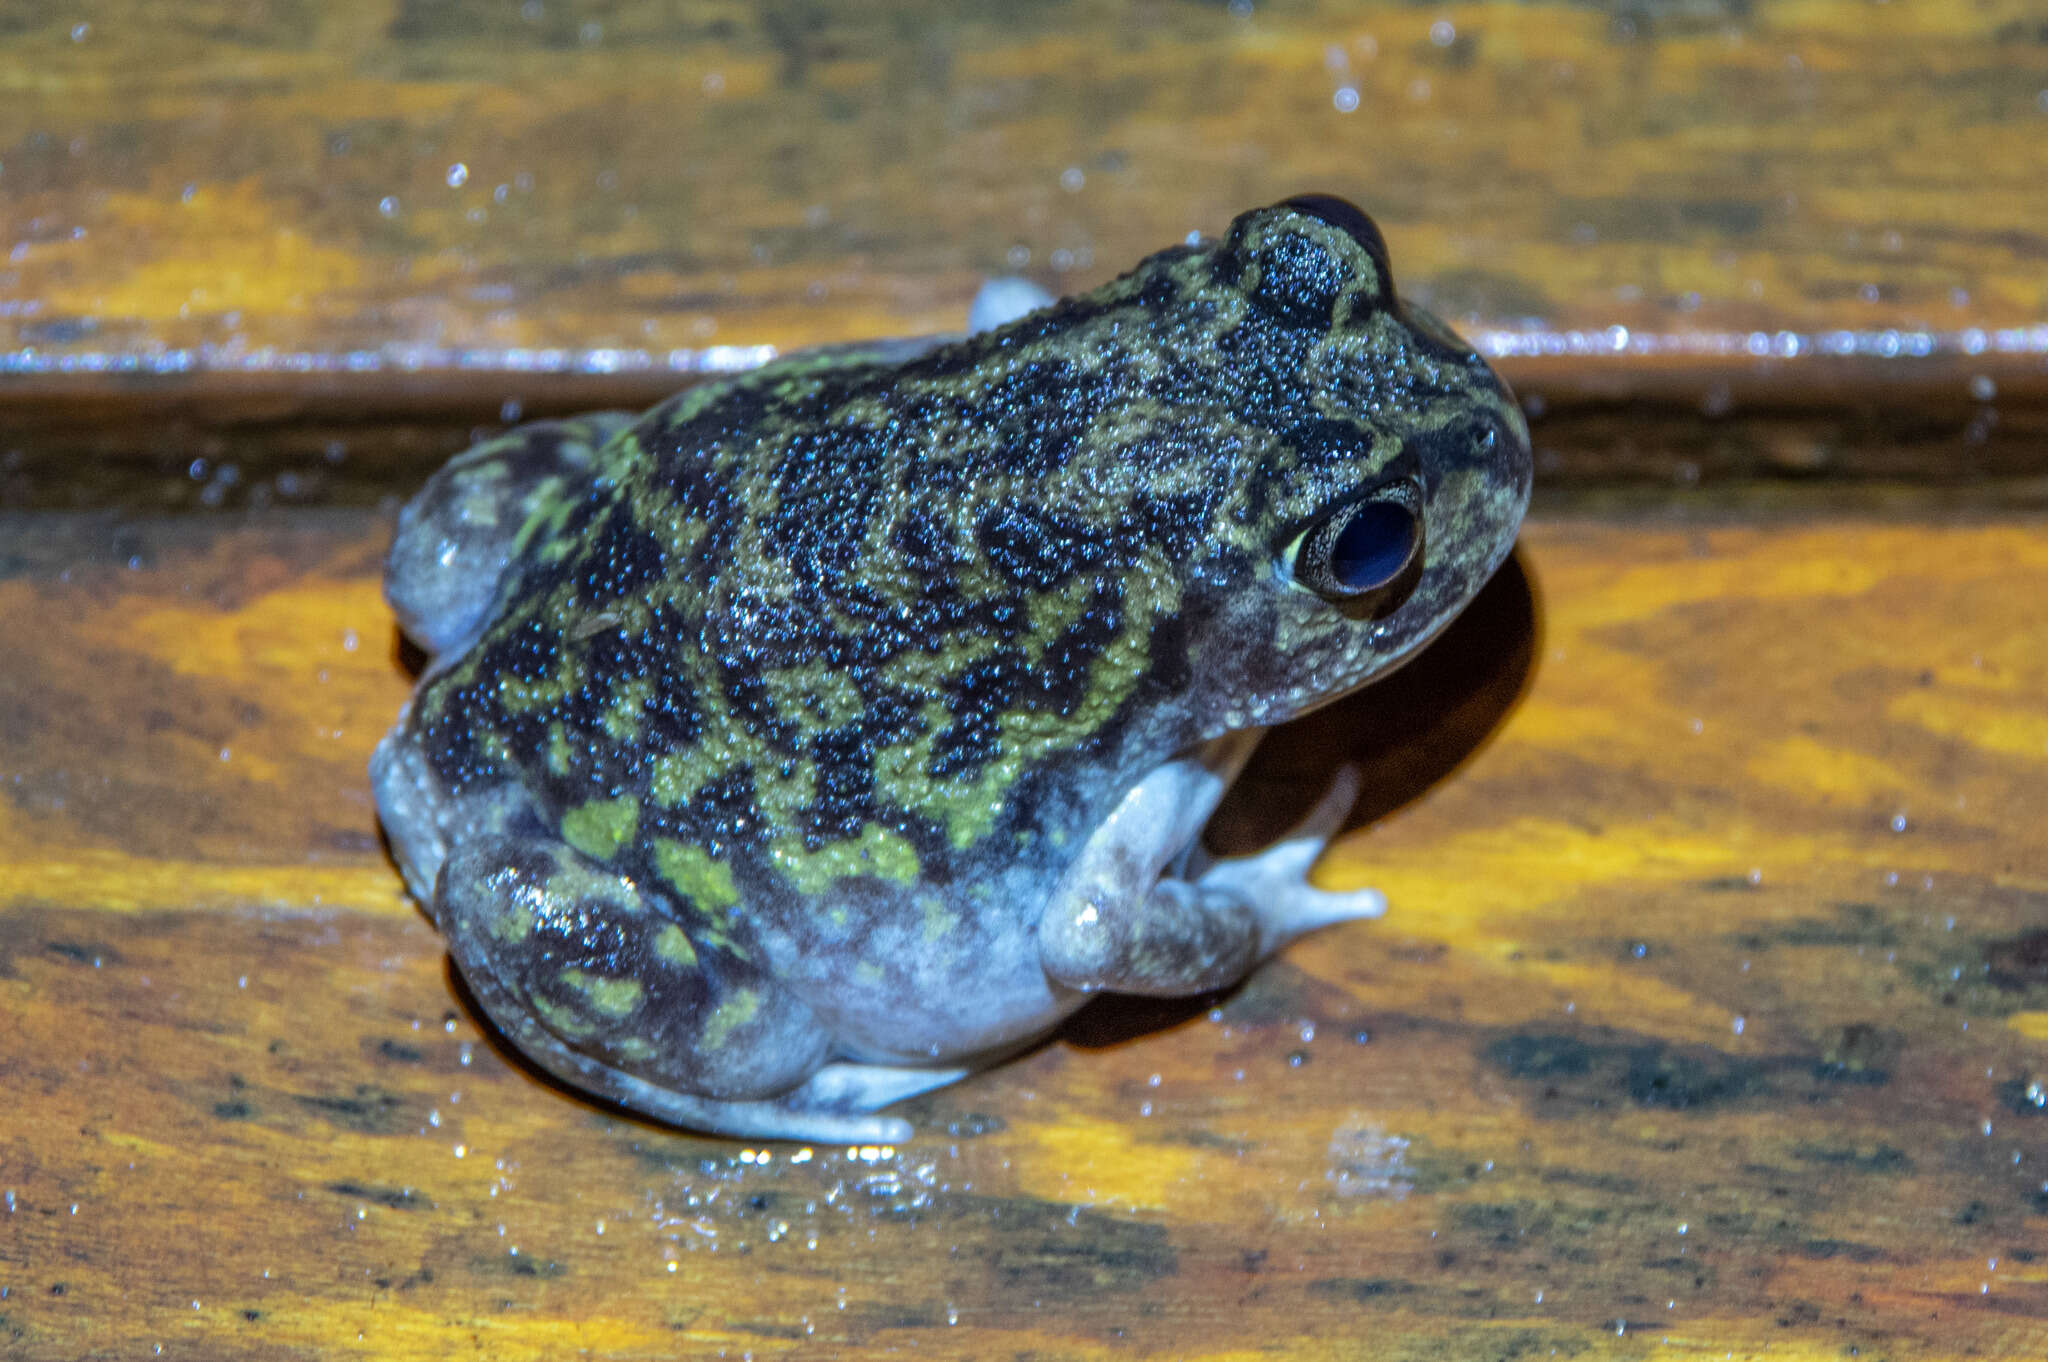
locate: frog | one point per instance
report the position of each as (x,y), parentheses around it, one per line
(834,730)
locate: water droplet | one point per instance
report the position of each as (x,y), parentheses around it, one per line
(458,175)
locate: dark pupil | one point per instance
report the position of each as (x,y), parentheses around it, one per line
(1373,547)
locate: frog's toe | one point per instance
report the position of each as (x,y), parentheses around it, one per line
(850,1086)
(1274,882)
(458,535)
(783,1118)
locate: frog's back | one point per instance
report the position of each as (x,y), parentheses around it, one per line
(833,621)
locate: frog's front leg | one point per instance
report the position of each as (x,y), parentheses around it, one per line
(596,981)
(1136,914)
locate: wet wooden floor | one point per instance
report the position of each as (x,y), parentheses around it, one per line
(1710,1018)
(1711,1014)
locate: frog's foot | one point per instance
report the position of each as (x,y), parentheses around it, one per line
(458,535)
(1117,923)
(1274,882)
(832,1106)
(599,983)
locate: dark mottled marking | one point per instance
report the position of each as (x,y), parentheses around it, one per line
(2018,963)
(1882,1159)
(91,954)
(393,1198)
(369,1110)
(1061,1250)
(1540,1054)
(1842,1248)
(2026,1096)
(1661,1076)
(1361,1290)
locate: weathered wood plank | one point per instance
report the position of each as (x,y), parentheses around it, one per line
(351,197)
(1709,1016)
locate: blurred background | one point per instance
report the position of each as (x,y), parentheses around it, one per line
(405,185)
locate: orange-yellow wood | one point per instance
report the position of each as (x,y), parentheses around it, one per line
(1710,1017)
(661,174)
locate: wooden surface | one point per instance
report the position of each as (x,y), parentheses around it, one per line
(1732,201)
(1706,1020)
(257,253)
(1711,1016)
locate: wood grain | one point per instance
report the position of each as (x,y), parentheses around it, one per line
(1623,199)
(1709,1018)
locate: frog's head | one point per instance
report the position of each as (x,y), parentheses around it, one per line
(1382,472)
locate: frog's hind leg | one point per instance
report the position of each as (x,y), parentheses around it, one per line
(1117,922)
(832,1106)
(459,534)
(597,983)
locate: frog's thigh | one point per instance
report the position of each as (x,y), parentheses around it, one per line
(456,537)
(1115,923)
(600,986)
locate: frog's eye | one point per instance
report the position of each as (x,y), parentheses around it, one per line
(1349,218)
(1365,551)
(1299,259)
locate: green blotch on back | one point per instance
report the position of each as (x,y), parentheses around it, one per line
(672,947)
(598,829)
(513,925)
(877,851)
(938,919)
(622,719)
(707,883)
(736,1011)
(563,1021)
(609,997)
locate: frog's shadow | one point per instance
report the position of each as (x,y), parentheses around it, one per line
(1405,733)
